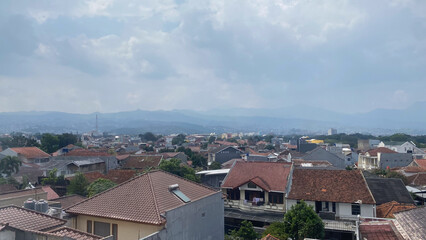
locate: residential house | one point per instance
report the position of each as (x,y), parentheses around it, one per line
(155,205)
(320,154)
(223,154)
(334,194)
(27,154)
(367,144)
(256,191)
(141,162)
(387,210)
(69,165)
(383,158)
(405,147)
(213,178)
(386,190)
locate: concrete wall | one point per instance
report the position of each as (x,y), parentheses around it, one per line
(126,230)
(202,219)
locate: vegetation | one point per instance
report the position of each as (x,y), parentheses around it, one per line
(212,139)
(245,232)
(9,165)
(53,180)
(269,147)
(179,139)
(78,185)
(99,186)
(149,136)
(300,222)
(390,174)
(174,166)
(11,181)
(18,140)
(51,142)
(215,165)
(197,159)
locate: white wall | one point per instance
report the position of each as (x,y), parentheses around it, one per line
(7,235)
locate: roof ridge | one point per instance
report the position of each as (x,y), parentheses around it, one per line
(155,198)
(366,184)
(32,211)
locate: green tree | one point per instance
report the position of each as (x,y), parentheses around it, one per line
(215,165)
(99,186)
(49,142)
(148,136)
(276,229)
(269,147)
(54,180)
(174,166)
(65,139)
(199,161)
(212,139)
(9,180)
(302,222)
(179,139)
(245,232)
(9,165)
(78,185)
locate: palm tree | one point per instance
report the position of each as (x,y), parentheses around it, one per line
(9,165)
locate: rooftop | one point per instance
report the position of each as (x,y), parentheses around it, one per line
(384,230)
(386,210)
(142,161)
(330,185)
(75,234)
(142,199)
(412,223)
(373,152)
(389,189)
(31,152)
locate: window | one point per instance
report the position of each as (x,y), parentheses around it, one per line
(356,209)
(102,229)
(334,207)
(114,231)
(89,226)
(251,185)
(233,194)
(276,198)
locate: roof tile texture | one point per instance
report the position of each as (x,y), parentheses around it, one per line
(330,185)
(31,152)
(142,161)
(374,152)
(75,234)
(270,176)
(379,231)
(141,199)
(68,201)
(22,218)
(386,210)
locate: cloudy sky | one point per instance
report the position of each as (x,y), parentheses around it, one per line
(110,55)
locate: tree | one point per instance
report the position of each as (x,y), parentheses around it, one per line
(178,140)
(148,136)
(53,180)
(269,147)
(65,139)
(9,165)
(302,222)
(246,232)
(78,185)
(174,166)
(276,229)
(99,186)
(215,165)
(212,139)
(9,180)
(199,161)
(49,142)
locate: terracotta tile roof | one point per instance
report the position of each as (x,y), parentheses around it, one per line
(51,194)
(298,162)
(122,157)
(75,234)
(269,237)
(119,176)
(225,143)
(142,161)
(4,188)
(270,176)
(330,185)
(68,201)
(22,193)
(386,210)
(142,199)
(195,149)
(373,152)
(379,231)
(31,152)
(25,219)
(421,163)
(412,169)
(93,176)
(418,179)
(87,153)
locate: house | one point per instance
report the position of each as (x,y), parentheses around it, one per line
(406,147)
(383,158)
(213,178)
(320,154)
(386,190)
(69,165)
(27,154)
(256,191)
(334,194)
(155,205)
(141,162)
(23,224)
(223,154)
(379,230)
(387,210)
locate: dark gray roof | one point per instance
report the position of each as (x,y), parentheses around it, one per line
(412,223)
(320,154)
(389,189)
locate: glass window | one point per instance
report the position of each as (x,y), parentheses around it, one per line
(233,194)
(356,209)
(251,185)
(89,226)
(102,229)
(277,198)
(114,231)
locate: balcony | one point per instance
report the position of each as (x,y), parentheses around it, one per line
(250,206)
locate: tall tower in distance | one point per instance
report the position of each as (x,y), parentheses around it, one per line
(97,124)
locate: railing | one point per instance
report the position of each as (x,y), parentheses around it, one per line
(251,206)
(340,225)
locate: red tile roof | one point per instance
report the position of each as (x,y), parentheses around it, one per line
(87,153)
(269,237)
(25,219)
(225,143)
(119,176)
(142,199)
(373,152)
(386,210)
(51,194)
(69,200)
(30,152)
(421,163)
(75,234)
(379,231)
(142,161)
(270,176)
(330,186)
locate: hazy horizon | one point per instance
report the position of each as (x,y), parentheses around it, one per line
(112,56)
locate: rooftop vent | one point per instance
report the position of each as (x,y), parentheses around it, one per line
(175,190)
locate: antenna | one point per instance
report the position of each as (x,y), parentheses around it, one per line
(96,123)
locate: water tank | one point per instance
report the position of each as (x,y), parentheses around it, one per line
(30,204)
(41,206)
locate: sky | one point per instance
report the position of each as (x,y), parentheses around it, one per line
(110,56)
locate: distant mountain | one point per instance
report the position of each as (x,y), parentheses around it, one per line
(300,119)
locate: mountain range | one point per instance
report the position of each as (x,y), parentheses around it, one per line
(298,119)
